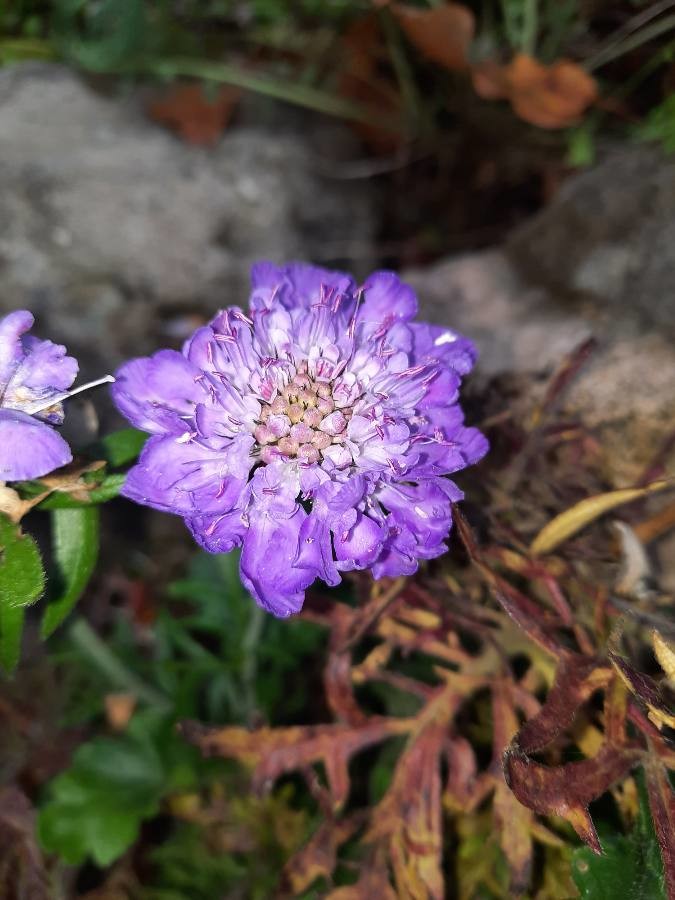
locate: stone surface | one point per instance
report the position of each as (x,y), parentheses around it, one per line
(609,234)
(118,236)
(626,391)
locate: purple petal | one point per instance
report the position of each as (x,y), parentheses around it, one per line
(154,392)
(29,448)
(387,300)
(182,478)
(45,367)
(267,564)
(12,326)
(360,545)
(218,533)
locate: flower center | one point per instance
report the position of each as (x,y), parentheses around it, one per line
(302,422)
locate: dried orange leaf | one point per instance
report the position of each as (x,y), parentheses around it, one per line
(580,515)
(442,34)
(196,118)
(553,96)
(550,96)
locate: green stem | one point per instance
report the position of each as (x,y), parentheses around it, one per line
(528,40)
(298,94)
(630,43)
(250,657)
(91,645)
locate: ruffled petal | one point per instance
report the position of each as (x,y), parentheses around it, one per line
(12,326)
(183,478)
(155,393)
(267,564)
(29,448)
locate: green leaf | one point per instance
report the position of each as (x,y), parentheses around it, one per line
(630,866)
(22,581)
(75,537)
(98,35)
(96,807)
(121,447)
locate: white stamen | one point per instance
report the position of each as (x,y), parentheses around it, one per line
(40,405)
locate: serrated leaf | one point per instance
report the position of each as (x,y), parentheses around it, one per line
(582,514)
(22,577)
(96,807)
(629,867)
(22,581)
(75,537)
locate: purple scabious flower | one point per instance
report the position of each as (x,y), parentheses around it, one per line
(316,432)
(35,376)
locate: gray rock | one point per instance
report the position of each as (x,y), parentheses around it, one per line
(609,233)
(110,225)
(626,392)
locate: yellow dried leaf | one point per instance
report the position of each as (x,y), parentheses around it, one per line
(580,515)
(665,653)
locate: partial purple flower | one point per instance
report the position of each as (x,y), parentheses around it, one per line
(35,376)
(317,432)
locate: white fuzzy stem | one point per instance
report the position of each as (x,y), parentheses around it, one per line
(41,405)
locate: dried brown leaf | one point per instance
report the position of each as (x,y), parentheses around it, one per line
(22,872)
(567,790)
(647,690)
(577,677)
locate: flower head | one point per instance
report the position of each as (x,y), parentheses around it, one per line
(35,376)
(316,432)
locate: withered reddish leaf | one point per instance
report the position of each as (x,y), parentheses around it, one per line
(198,119)
(514,821)
(525,614)
(662,805)
(274,751)
(317,859)
(462,790)
(577,677)
(567,790)
(373,884)
(22,871)
(561,380)
(646,690)
(408,818)
(442,34)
